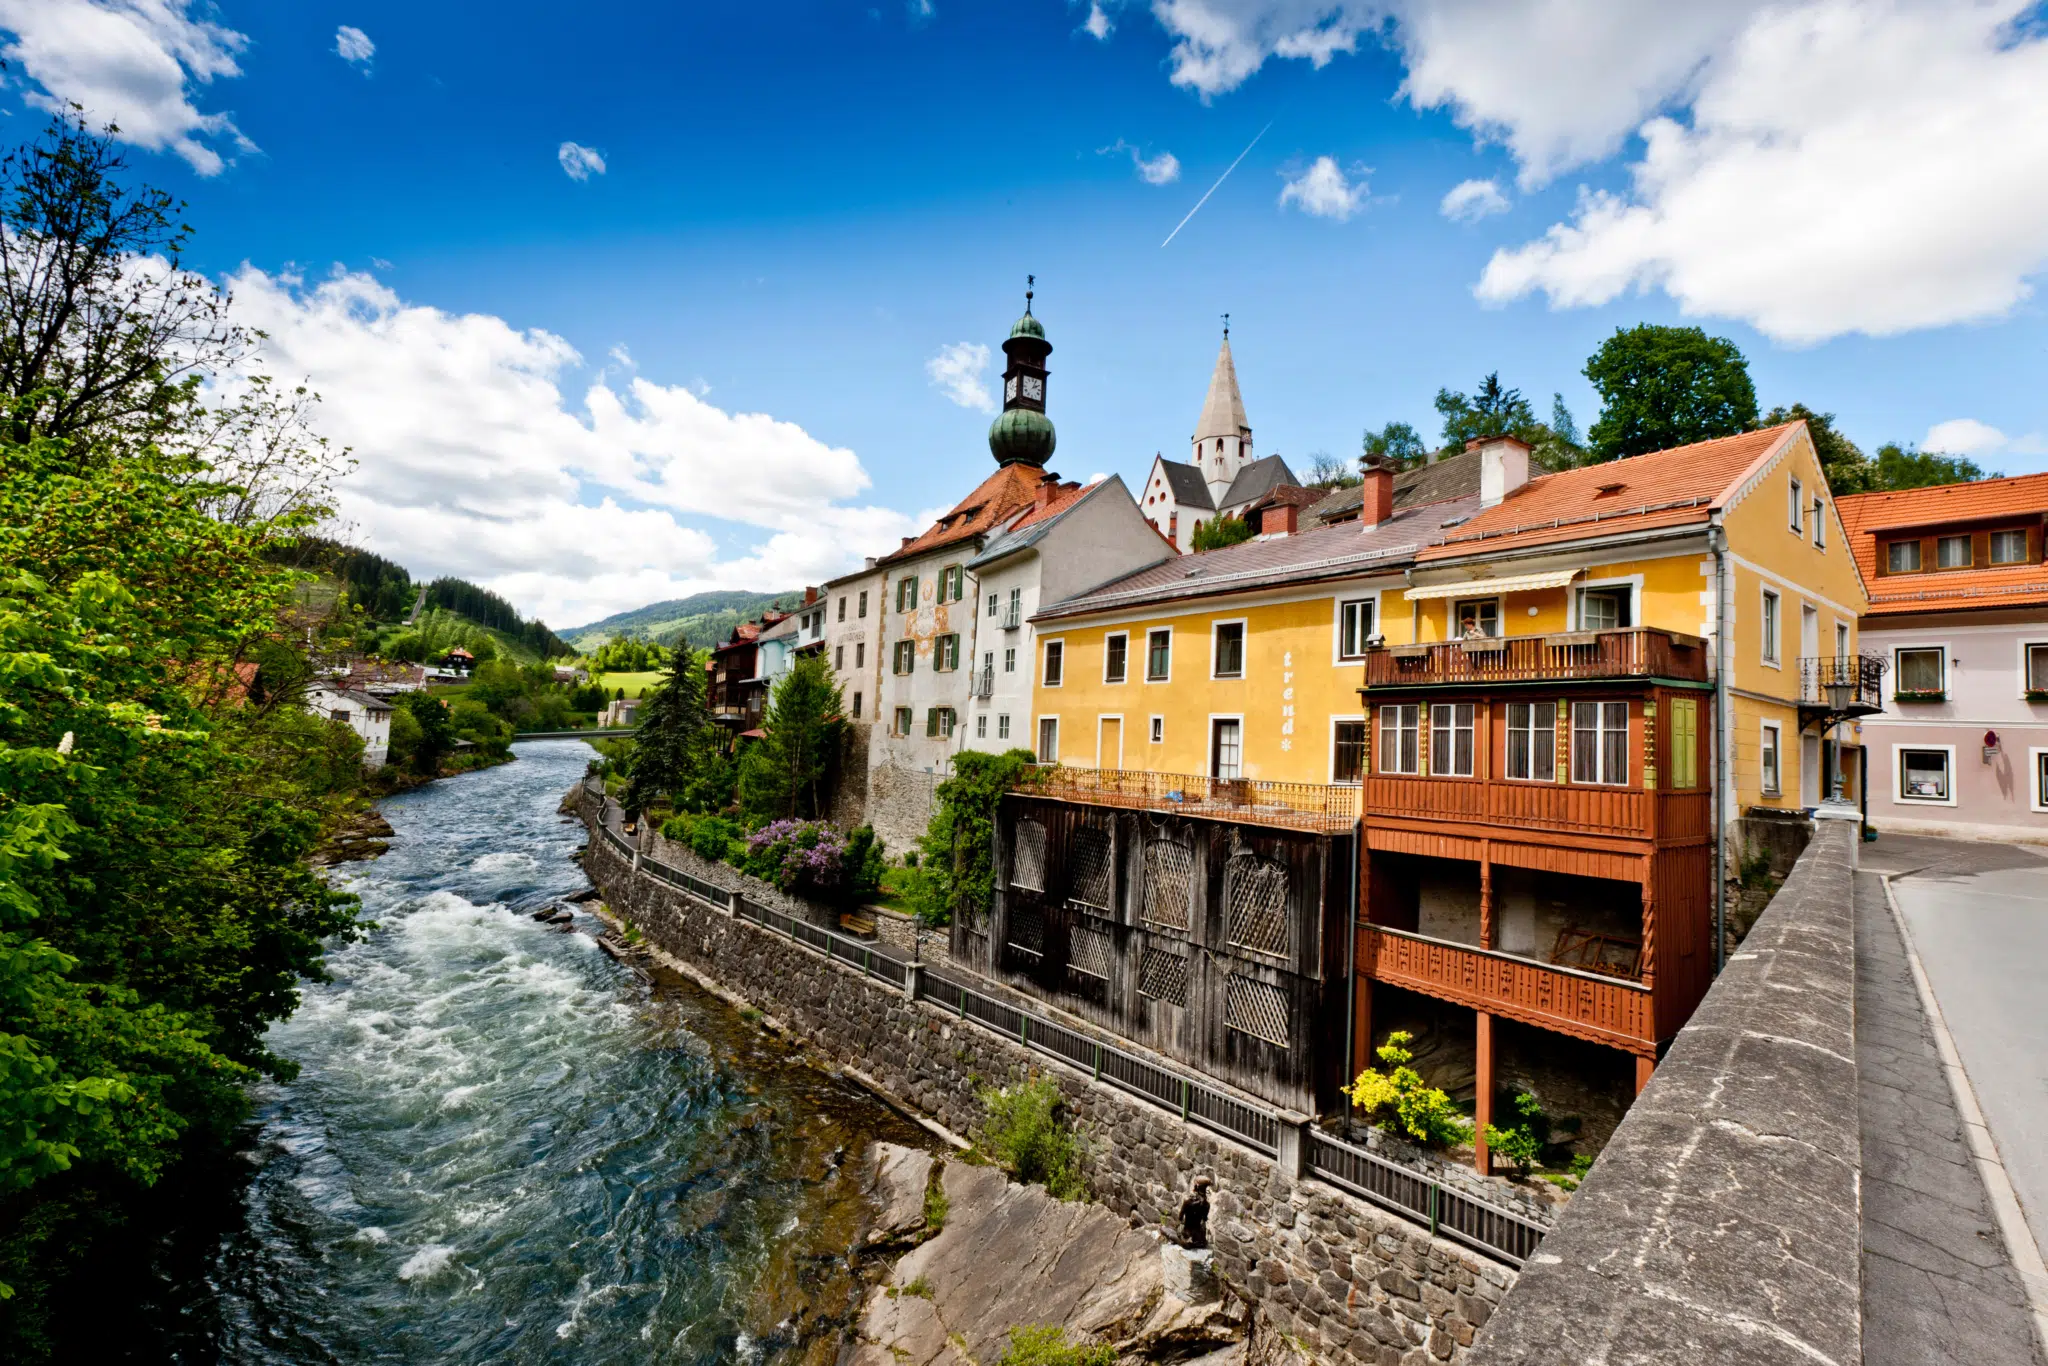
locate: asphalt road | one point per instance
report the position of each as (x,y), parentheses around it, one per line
(1978,916)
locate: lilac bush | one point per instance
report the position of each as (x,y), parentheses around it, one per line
(799,856)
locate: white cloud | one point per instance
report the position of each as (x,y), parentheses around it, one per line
(130,63)
(921,11)
(1163,169)
(475,462)
(1220,43)
(1097,25)
(620,354)
(1325,191)
(1968,436)
(1471,200)
(580,162)
(956,371)
(351,44)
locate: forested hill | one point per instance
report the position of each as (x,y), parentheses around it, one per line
(702,619)
(486,608)
(386,593)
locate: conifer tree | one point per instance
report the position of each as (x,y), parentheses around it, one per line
(674,725)
(789,773)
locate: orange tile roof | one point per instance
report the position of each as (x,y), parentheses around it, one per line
(1664,488)
(1068,495)
(2017,585)
(994,501)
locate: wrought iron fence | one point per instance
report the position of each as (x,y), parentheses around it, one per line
(1843,683)
(1490,1229)
(1254,801)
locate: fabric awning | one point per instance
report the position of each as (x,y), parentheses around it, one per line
(1486,588)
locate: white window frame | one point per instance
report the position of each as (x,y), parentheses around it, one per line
(901,650)
(1472,729)
(1125,637)
(1244,649)
(1797,507)
(1509,730)
(1899,775)
(1209,758)
(946,648)
(1632,582)
(1002,725)
(1150,632)
(902,720)
(2025,647)
(1357,719)
(1009,659)
(1771,625)
(1899,673)
(1776,731)
(2037,778)
(1820,523)
(1370,603)
(1379,759)
(981,726)
(1117,717)
(1038,740)
(1045,654)
(1156,731)
(1500,614)
(1602,777)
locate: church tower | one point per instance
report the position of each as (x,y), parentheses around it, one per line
(1222,443)
(1022,434)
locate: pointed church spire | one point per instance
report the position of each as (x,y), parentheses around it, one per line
(1223,411)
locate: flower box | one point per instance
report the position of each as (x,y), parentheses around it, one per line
(2037,694)
(1924,695)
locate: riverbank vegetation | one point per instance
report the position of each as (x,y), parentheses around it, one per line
(161,782)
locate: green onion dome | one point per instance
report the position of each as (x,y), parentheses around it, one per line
(1021,436)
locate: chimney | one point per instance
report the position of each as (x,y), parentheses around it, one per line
(810,597)
(1278,520)
(906,541)
(1376,494)
(1503,467)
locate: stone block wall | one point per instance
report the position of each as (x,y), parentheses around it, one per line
(900,802)
(1350,1283)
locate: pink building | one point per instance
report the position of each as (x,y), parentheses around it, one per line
(1959,613)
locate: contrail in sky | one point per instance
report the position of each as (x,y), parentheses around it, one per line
(1213,188)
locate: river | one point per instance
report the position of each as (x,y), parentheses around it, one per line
(504,1147)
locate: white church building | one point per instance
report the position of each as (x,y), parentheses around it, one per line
(1222,478)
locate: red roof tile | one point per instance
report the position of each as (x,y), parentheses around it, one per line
(994,501)
(1959,505)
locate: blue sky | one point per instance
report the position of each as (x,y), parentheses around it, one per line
(548,378)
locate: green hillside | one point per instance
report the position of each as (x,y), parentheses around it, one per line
(702,619)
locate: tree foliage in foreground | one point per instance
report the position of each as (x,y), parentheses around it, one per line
(1662,387)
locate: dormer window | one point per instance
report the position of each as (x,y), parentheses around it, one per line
(1952,552)
(2008,547)
(1608,490)
(1902,557)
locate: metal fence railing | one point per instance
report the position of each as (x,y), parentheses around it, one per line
(1413,1195)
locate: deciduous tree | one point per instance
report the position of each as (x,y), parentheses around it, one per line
(789,771)
(1667,386)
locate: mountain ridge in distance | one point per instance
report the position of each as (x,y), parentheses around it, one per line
(703,619)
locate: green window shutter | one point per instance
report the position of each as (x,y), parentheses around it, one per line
(931,722)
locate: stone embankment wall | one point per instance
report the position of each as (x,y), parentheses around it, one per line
(1348,1282)
(1723,1222)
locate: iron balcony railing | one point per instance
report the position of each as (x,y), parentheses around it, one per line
(1013,616)
(1493,1230)
(1253,801)
(1851,685)
(1635,652)
(981,682)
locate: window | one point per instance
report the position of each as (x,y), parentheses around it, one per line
(856,706)
(1016,606)
(1158,730)
(1048,739)
(863,606)
(2041,780)
(1820,524)
(952,583)
(981,727)
(337,714)
(839,657)
(1952,552)
(1532,741)
(842,607)
(1920,672)
(1796,506)
(1055,662)
(1354,627)
(906,593)
(988,667)
(1003,726)
(946,652)
(938,723)
(2008,547)
(1400,748)
(992,604)
(1600,743)
(1770,627)
(1010,660)
(1158,655)
(1226,748)
(1115,649)
(860,654)
(1685,742)
(1229,650)
(1767,760)
(903,720)
(1347,761)
(1606,609)
(906,656)
(1450,739)
(1923,775)
(1475,617)
(1841,640)
(1902,557)
(2037,668)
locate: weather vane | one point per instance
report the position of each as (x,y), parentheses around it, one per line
(1029,281)
(1226,327)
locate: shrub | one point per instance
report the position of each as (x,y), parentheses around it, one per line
(920,1288)
(1025,1136)
(1419,1109)
(1520,1144)
(807,857)
(1047,1345)
(936,1206)
(865,864)
(708,837)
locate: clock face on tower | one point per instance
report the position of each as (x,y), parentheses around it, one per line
(1034,388)
(1010,389)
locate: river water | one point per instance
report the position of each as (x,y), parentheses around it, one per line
(504,1147)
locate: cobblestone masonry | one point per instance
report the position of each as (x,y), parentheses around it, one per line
(1348,1282)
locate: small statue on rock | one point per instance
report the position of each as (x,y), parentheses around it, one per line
(1194,1215)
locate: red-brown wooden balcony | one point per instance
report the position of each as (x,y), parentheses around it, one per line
(1570,808)
(1643,652)
(1599,1007)
(1253,801)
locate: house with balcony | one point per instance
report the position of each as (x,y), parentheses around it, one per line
(1958,622)
(1549,704)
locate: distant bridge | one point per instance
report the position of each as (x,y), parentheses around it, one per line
(612,734)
